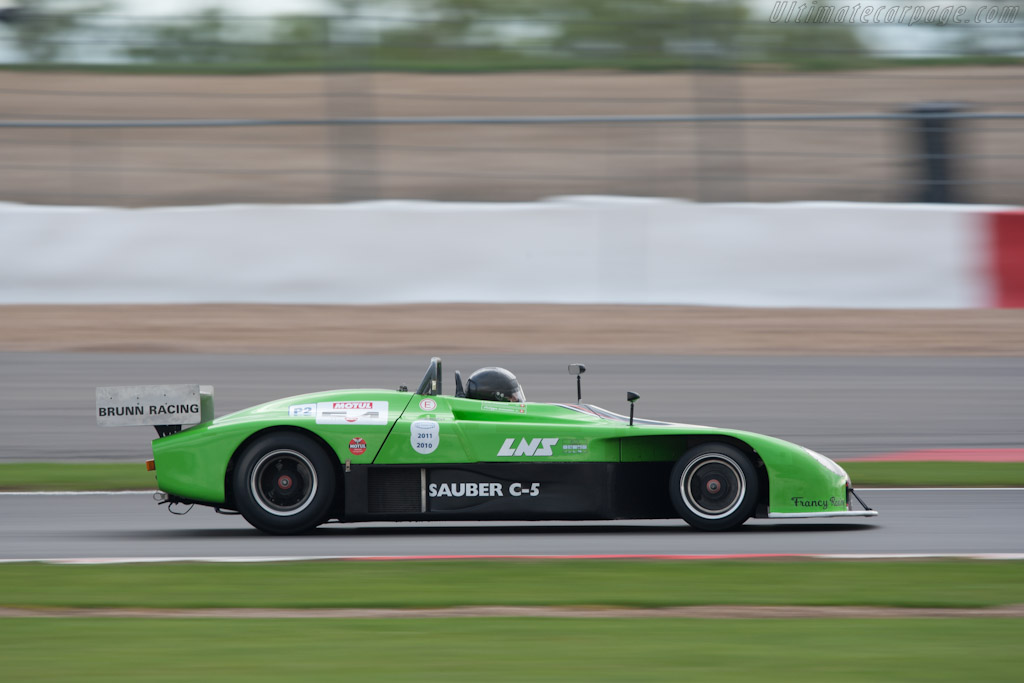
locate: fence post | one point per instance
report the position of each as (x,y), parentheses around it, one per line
(933,128)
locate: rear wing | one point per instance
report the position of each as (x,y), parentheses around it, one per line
(167,407)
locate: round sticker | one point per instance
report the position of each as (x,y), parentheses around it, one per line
(424,436)
(428,404)
(357,446)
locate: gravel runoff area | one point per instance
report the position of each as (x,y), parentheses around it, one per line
(510,328)
(687,612)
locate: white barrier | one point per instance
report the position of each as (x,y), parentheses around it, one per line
(563,250)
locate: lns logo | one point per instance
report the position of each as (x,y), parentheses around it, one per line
(527,447)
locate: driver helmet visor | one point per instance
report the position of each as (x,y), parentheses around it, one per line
(517,396)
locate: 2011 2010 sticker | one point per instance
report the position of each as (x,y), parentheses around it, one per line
(425,436)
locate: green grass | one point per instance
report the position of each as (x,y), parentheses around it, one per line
(512,649)
(53,476)
(935,473)
(425,584)
(526,649)
(133,476)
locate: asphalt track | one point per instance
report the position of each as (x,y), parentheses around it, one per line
(844,407)
(98,526)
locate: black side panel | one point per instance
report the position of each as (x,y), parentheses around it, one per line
(508,491)
(355,492)
(520,491)
(394,490)
(640,491)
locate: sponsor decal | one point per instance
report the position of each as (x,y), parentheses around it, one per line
(179,409)
(517,489)
(155,404)
(481,489)
(352,412)
(119,411)
(424,435)
(428,404)
(574,447)
(352,405)
(357,446)
(534,447)
(498,407)
(304,410)
(472,489)
(162,409)
(801,502)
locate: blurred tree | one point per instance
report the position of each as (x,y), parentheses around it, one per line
(296,39)
(812,43)
(668,33)
(40,27)
(213,38)
(445,23)
(653,27)
(195,40)
(468,34)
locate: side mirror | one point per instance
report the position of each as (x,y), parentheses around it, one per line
(632,397)
(578,369)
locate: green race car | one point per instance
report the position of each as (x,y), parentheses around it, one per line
(481,453)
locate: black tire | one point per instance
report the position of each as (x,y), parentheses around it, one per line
(714,487)
(284,483)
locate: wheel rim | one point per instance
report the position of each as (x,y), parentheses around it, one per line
(283,482)
(713,486)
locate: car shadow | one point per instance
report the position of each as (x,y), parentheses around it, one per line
(401,530)
(570,529)
(803,528)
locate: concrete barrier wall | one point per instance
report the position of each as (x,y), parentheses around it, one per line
(564,250)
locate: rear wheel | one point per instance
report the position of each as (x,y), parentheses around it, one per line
(714,487)
(284,483)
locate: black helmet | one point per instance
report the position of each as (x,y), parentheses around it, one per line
(494,384)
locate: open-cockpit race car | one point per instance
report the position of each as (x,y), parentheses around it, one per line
(481,453)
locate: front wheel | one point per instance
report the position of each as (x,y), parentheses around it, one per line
(284,483)
(714,487)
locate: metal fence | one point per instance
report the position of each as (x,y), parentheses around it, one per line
(720,129)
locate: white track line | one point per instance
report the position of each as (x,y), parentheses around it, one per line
(946,488)
(400,558)
(77,493)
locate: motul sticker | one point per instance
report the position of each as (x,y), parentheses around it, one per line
(352,412)
(357,446)
(428,404)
